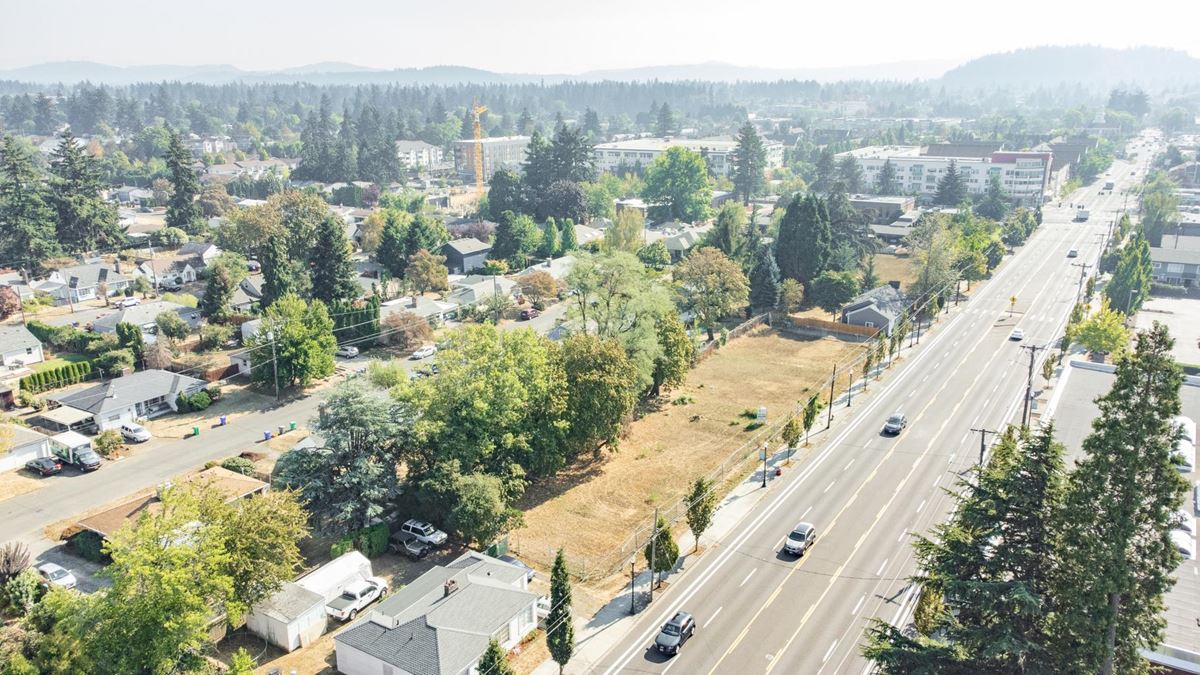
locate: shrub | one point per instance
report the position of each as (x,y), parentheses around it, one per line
(214,392)
(21,592)
(239,465)
(113,362)
(196,402)
(185,299)
(371,541)
(89,546)
(214,337)
(51,378)
(341,547)
(386,374)
(108,442)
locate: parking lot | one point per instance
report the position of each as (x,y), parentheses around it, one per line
(1182,317)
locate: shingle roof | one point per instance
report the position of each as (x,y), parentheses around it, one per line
(140,315)
(84,276)
(886,299)
(17,336)
(290,602)
(1175,255)
(125,391)
(468,245)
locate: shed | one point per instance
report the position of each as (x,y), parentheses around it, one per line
(24,444)
(330,579)
(292,618)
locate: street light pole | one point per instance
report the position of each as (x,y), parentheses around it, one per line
(1033,350)
(983,442)
(632,584)
(764,457)
(832,383)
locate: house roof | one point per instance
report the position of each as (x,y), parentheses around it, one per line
(229,484)
(161,266)
(200,248)
(468,245)
(686,239)
(125,391)
(886,299)
(555,267)
(426,631)
(290,602)
(20,436)
(140,315)
(84,276)
(65,415)
(17,336)
(1175,255)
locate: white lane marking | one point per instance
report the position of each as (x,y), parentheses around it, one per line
(964,438)
(805,513)
(848,465)
(858,605)
(924,378)
(673,662)
(951,458)
(921,506)
(829,652)
(712,616)
(903,534)
(780,544)
(881,566)
(937,480)
(912,393)
(830,487)
(748,577)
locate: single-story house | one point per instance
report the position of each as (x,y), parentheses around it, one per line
(144,394)
(24,444)
(229,484)
(16,282)
(129,194)
(879,308)
(1177,266)
(248,292)
(464,255)
(83,282)
(678,245)
(585,234)
(203,250)
(173,270)
(143,315)
(441,623)
(18,347)
(293,617)
(476,288)
(555,267)
(425,307)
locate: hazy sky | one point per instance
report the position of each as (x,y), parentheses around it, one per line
(567,36)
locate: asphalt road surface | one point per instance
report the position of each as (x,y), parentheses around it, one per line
(759,610)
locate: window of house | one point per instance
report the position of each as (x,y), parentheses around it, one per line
(1175,268)
(503,634)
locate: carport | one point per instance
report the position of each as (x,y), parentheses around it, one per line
(64,418)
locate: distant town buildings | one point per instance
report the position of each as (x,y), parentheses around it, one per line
(498,152)
(1025,176)
(418,154)
(718,152)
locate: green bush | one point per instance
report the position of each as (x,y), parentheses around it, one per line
(196,402)
(370,541)
(108,442)
(239,465)
(112,362)
(22,592)
(52,378)
(341,547)
(89,546)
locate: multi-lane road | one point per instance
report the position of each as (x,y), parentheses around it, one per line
(758,610)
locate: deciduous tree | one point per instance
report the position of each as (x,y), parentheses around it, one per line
(701,503)
(677,186)
(712,286)
(304,343)
(663,551)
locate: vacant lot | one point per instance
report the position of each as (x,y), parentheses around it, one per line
(591,509)
(895,268)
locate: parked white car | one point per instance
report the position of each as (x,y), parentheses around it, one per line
(57,575)
(346,351)
(135,433)
(424,352)
(129,302)
(354,597)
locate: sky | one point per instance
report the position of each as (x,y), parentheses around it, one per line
(571,36)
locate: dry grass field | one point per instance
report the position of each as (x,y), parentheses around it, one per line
(896,268)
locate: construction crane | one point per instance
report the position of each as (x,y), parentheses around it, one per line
(478,110)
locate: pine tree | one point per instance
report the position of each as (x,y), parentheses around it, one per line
(995,203)
(27,235)
(568,242)
(279,274)
(182,210)
(664,124)
(494,660)
(805,241)
(86,221)
(749,162)
(331,269)
(788,242)
(217,293)
(887,181)
(951,190)
(826,170)
(392,247)
(764,280)
(344,154)
(550,245)
(539,165)
(560,625)
(850,174)
(591,123)
(1117,557)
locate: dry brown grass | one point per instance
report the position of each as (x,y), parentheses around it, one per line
(895,268)
(592,508)
(13,483)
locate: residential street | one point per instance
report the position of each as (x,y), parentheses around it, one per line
(757,608)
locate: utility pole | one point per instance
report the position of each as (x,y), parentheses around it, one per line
(764,458)
(850,388)
(1033,350)
(832,382)
(632,584)
(1083,268)
(653,552)
(983,442)
(275,368)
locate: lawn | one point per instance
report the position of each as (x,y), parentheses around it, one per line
(895,268)
(60,360)
(592,509)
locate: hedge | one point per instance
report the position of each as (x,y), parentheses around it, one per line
(197,401)
(53,378)
(239,465)
(370,541)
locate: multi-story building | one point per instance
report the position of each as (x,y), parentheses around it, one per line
(718,152)
(498,152)
(418,154)
(1025,176)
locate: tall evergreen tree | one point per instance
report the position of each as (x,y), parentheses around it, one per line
(788,242)
(825,170)
(591,123)
(345,154)
(951,190)
(850,174)
(182,210)
(278,271)
(805,241)
(1117,557)
(494,660)
(569,241)
(560,625)
(887,182)
(749,163)
(1130,285)
(330,268)
(539,164)
(86,221)
(27,235)
(664,124)
(217,293)
(550,244)
(392,251)
(995,203)
(572,156)
(764,280)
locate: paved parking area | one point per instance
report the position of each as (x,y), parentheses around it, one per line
(1182,317)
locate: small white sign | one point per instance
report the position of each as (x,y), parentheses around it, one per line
(762,413)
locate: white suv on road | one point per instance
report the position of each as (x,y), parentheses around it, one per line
(800,539)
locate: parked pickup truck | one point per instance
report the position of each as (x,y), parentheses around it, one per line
(356,596)
(408,545)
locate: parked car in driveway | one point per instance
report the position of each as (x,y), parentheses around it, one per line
(408,545)
(135,433)
(517,563)
(424,352)
(424,532)
(895,424)
(674,633)
(58,575)
(354,597)
(531,313)
(346,351)
(44,466)
(800,539)
(129,302)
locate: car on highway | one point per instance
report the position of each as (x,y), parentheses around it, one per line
(424,532)
(895,424)
(44,466)
(58,575)
(1017,334)
(346,351)
(424,352)
(674,633)
(1073,253)
(800,539)
(408,545)
(354,597)
(135,433)
(531,313)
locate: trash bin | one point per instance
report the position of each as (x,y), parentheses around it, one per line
(266,435)
(195,431)
(292,426)
(223,420)
(281,429)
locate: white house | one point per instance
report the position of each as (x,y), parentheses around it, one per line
(166,271)
(441,623)
(24,444)
(18,347)
(144,315)
(293,617)
(476,288)
(144,394)
(84,282)
(203,250)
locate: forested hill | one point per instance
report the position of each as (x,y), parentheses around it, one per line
(1098,68)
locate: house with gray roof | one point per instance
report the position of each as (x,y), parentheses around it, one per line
(144,394)
(440,624)
(466,254)
(144,315)
(18,346)
(678,245)
(85,282)
(1178,266)
(879,308)
(476,288)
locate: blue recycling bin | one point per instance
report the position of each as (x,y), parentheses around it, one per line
(266,435)
(223,420)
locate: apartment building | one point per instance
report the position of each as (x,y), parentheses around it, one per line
(718,152)
(1024,175)
(498,152)
(418,154)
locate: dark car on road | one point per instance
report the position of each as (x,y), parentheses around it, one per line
(44,466)
(895,424)
(674,633)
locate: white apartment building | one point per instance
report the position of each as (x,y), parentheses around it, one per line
(1024,175)
(718,152)
(418,154)
(498,152)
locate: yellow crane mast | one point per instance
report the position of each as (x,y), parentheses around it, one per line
(478,110)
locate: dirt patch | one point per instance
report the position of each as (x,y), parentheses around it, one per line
(13,483)
(530,654)
(236,401)
(593,508)
(889,267)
